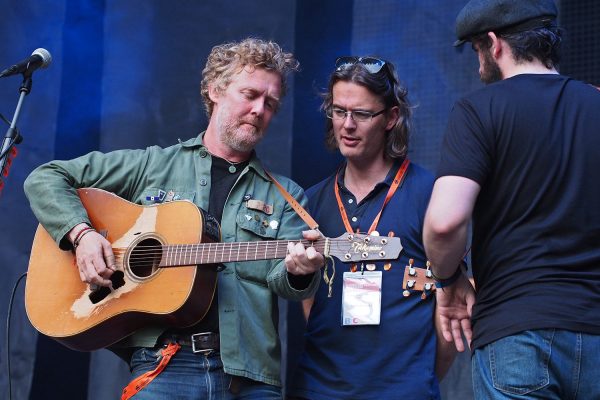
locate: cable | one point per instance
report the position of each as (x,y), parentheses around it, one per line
(12,297)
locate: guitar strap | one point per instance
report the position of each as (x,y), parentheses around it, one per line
(301,211)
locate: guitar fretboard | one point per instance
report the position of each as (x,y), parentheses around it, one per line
(215,253)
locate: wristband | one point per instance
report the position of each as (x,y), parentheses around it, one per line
(80,235)
(442,283)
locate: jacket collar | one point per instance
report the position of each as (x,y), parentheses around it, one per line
(254,162)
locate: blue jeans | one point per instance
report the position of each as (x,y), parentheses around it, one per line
(196,376)
(538,364)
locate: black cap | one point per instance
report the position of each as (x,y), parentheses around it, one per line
(508,16)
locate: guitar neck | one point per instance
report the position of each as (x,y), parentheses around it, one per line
(216,253)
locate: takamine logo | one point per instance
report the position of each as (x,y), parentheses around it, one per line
(365,247)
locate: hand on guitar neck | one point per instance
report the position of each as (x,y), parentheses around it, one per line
(302,260)
(93,255)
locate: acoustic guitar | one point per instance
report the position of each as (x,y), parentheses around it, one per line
(147,289)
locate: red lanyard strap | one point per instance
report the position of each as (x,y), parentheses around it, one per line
(400,175)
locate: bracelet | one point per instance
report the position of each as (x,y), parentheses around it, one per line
(82,229)
(80,235)
(442,283)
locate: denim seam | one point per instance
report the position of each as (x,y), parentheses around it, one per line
(206,367)
(577,364)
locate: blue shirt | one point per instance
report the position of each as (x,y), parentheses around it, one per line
(397,357)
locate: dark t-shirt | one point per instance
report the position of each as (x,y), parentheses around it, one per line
(223,175)
(396,358)
(532,142)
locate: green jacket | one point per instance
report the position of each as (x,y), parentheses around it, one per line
(247,290)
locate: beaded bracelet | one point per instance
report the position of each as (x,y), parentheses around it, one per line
(80,235)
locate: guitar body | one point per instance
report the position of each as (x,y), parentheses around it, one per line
(61,306)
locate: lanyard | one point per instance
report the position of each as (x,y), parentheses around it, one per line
(395,184)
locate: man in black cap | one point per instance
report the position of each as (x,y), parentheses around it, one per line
(520,156)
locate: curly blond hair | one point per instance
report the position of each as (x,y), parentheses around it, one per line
(227,59)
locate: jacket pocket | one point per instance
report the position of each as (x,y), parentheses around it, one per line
(256,226)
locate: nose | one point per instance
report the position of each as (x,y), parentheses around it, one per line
(349,121)
(258,107)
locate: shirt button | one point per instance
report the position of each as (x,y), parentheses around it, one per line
(203,182)
(203,153)
(350,201)
(354,219)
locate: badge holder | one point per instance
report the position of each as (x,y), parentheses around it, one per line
(361,298)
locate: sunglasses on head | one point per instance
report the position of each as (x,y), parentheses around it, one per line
(371,64)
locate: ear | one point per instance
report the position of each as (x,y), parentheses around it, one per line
(392,117)
(213,92)
(497,45)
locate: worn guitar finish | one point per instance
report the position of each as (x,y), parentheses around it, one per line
(147,241)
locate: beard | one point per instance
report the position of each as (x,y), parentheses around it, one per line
(238,134)
(490,71)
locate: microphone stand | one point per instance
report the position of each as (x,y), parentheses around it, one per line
(12,136)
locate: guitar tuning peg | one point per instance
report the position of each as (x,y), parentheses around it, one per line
(410,284)
(406,293)
(353,268)
(391,234)
(387,266)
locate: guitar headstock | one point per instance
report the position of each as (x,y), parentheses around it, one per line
(418,279)
(356,247)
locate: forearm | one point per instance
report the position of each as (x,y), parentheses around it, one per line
(54,201)
(447,221)
(445,250)
(52,187)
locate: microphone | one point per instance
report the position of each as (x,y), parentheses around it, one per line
(40,58)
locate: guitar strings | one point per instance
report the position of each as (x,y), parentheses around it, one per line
(219,251)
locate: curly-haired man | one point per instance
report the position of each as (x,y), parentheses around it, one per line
(233,351)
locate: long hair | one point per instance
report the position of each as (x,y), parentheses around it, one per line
(228,59)
(386,86)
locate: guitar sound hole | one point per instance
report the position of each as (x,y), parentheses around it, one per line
(145,258)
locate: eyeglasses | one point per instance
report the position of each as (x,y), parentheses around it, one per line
(356,115)
(371,64)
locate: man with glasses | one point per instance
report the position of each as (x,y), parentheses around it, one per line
(367,337)
(233,352)
(520,157)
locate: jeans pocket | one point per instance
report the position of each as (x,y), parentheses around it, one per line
(144,359)
(519,363)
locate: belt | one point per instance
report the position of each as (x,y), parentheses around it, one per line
(204,342)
